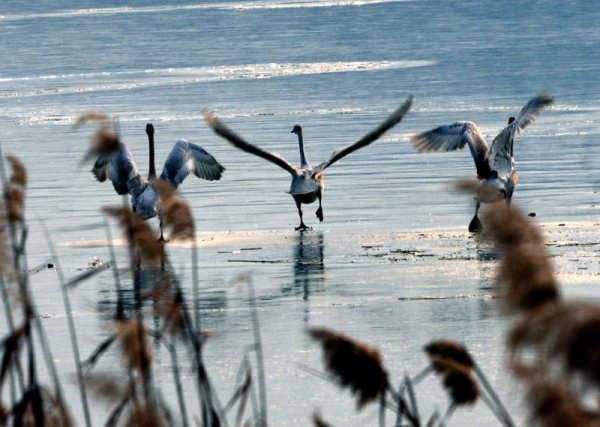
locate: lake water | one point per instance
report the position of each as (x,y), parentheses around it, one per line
(392,264)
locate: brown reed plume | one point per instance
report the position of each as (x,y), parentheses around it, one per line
(526,274)
(450,350)
(14,192)
(353,364)
(104,141)
(19,173)
(148,415)
(134,341)
(553,405)
(458,380)
(564,335)
(139,234)
(175,214)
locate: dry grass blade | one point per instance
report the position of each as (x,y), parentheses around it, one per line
(451,350)
(80,278)
(552,405)
(11,345)
(138,233)
(353,364)
(133,338)
(526,273)
(457,379)
(102,347)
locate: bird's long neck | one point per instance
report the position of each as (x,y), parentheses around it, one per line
(150,133)
(303,161)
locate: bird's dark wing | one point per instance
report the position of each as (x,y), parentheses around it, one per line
(186,158)
(237,141)
(375,134)
(454,137)
(120,168)
(501,149)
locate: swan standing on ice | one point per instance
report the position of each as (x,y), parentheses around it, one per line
(307,183)
(495,165)
(185,158)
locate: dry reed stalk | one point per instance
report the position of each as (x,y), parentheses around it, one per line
(132,336)
(318,421)
(526,274)
(139,234)
(353,364)
(39,407)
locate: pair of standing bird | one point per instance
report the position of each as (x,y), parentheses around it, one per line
(494,164)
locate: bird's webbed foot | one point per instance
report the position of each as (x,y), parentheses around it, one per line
(303,227)
(475,225)
(320,214)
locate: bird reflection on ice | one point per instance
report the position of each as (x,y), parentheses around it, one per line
(309,269)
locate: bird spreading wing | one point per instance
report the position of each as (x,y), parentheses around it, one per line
(500,154)
(237,141)
(372,136)
(186,158)
(120,168)
(453,137)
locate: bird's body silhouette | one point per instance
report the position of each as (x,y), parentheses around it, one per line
(495,164)
(185,158)
(307,182)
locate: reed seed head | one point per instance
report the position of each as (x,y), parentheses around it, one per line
(457,379)
(138,233)
(133,337)
(354,364)
(552,405)
(526,274)
(19,173)
(450,350)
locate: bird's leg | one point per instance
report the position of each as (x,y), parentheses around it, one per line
(302,226)
(475,225)
(320,210)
